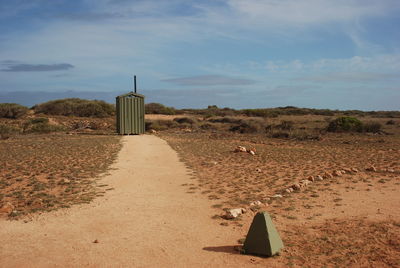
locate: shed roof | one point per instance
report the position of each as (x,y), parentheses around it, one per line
(131,94)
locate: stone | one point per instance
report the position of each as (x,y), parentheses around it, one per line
(7,208)
(277,196)
(258,169)
(251,152)
(234,213)
(371,168)
(66,181)
(320,178)
(348,170)
(328,175)
(240,149)
(355,170)
(296,186)
(289,190)
(337,173)
(391,170)
(255,203)
(304,183)
(153,131)
(311,178)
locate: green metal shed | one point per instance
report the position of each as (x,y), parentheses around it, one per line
(130,113)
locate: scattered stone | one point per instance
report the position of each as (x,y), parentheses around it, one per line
(277,196)
(234,213)
(289,190)
(343,171)
(328,175)
(296,186)
(311,178)
(304,183)
(66,181)
(153,131)
(96,241)
(240,149)
(7,208)
(348,170)
(371,168)
(251,152)
(255,203)
(320,178)
(258,169)
(337,173)
(355,170)
(391,170)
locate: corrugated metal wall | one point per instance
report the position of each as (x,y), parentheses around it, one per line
(130,114)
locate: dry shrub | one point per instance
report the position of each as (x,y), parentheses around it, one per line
(158,108)
(373,127)
(76,107)
(249,126)
(159,125)
(12,110)
(7,131)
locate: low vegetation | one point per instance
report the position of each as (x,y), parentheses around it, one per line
(12,110)
(76,107)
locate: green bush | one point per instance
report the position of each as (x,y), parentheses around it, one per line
(345,124)
(158,108)
(76,107)
(12,110)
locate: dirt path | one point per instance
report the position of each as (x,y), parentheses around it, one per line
(148,220)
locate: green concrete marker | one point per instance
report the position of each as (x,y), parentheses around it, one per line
(262,238)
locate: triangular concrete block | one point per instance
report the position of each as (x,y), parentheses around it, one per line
(262,238)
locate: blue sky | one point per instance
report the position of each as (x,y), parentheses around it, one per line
(337,54)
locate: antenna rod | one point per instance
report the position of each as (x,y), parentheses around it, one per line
(134,82)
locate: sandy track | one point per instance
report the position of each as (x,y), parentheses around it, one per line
(148,220)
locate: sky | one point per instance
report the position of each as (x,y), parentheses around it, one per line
(335,54)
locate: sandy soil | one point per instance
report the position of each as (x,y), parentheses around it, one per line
(148,220)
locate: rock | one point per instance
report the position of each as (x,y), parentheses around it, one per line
(153,131)
(304,183)
(251,152)
(337,173)
(258,169)
(296,186)
(240,149)
(234,213)
(66,181)
(328,175)
(343,171)
(371,168)
(355,170)
(289,190)
(7,208)
(391,170)
(255,203)
(252,149)
(277,196)
(96,241)
(311,178)
(348,170)
(320,178)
